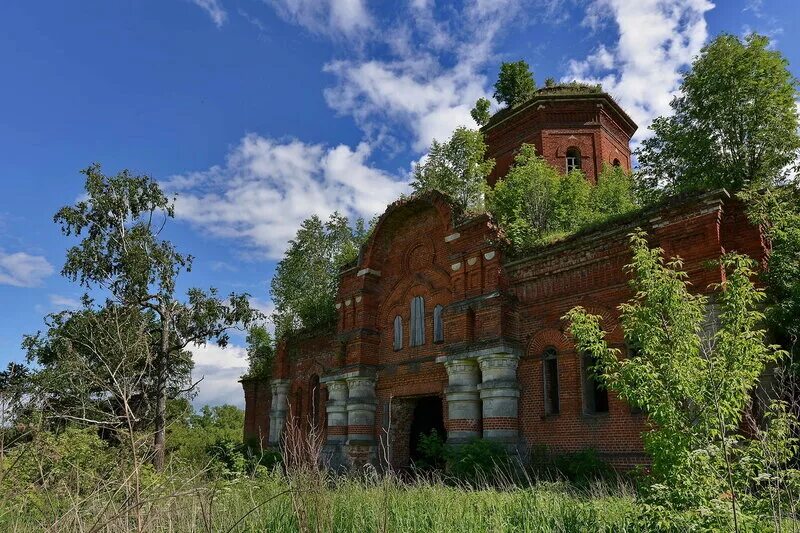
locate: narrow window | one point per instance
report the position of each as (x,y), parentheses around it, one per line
(398,333)
(632,353)
(416,325)
(616,163)
(314,401)
(550,367)
(573,159)
(438,326)
(595,396)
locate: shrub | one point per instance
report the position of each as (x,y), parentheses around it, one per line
(478,462)
(535,203)
(432,450)
(583,466)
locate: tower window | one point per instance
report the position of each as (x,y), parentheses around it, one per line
(550,369)
(616,163)
(416,325)
(398,333)
(573,159)
(595,395)
(438,326)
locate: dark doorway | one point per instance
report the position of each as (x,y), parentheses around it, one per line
(427,417)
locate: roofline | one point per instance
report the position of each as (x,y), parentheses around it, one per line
(621,224)
(588,96)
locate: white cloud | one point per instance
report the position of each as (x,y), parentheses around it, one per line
(337,18)
(267,188)
(435,77)
(59,301)
(214,10)
(220,370)
(23,270)
(657,39)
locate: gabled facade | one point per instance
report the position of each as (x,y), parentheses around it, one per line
(439,331)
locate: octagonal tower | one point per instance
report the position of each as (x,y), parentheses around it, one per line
(571,127)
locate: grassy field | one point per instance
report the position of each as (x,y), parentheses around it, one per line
(274,503)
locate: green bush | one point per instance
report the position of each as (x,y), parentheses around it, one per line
(70,460)
(583,466)
(432,450)
(535,203)
(230,459)
(478,462)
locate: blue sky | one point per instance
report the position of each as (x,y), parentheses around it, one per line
(259,113)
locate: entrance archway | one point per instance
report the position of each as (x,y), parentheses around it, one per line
(427,417)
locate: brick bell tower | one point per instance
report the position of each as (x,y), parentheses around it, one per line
(580,128)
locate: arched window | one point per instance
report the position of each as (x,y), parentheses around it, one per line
(616,163)
(416,325)
(573,159)
(550,371)
(398,333)
(595,395)
(313,401)
(438,325)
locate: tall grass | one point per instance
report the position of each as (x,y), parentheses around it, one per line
(368,503)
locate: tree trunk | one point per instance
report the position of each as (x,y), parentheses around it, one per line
(159,438)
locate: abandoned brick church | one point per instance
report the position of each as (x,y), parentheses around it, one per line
(439,330)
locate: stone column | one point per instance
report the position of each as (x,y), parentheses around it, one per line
(499,392)
(336,408)
(277,413)
(463,400)
(361,406)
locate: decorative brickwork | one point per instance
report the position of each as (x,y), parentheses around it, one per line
(499,315)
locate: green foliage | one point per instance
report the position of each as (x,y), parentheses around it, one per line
(121,251)
(260,353)
(480,113)
(534,203)
(613,195)
(478,462)
(457,168)
(693,382)
(515,84)
(194,433)
(69,461)
(582,467)
(95,365)
(777,210)
(734,125)
(304,286)
(432,450)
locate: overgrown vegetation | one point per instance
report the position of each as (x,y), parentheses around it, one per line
(515,84)
(260,353)
(535,203)
(116,364)
(458,168)
(303,288)
(734,123)
(695,380)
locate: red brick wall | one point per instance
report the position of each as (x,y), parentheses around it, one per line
(257,404)
(554,125)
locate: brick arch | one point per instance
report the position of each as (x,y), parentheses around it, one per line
(609,322)
(374,253)
(548,337)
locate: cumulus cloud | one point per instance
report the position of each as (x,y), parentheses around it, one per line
(336,18)
(220,370)
(23,270)
(416,89)
(214,10)
(266,188)
(657,40)
(59,301)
